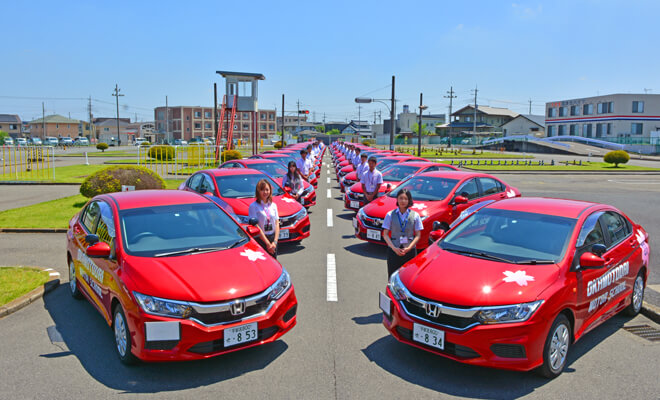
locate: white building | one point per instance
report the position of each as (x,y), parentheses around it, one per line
(525,125)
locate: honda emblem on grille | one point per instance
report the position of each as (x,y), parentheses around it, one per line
(237,307)
(432,310)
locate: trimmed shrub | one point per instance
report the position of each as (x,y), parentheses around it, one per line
(162,153)
(102,146)
(279,145)
(111,179)
(145,143)
(366,142)
(228,155)
(616,157)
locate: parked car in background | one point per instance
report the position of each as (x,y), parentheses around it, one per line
(81,141)
(51,141)
(35,141)
(66,141)
(21,141)
(139,141)
(9,141)
(180,142)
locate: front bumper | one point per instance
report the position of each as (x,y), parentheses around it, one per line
(198,341)
(297,232)
(515,346)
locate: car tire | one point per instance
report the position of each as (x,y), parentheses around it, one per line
(555,350)
(122,337)
(74,289)
(637,296)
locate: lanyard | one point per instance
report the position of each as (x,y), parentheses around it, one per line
(266,210)
(401,224)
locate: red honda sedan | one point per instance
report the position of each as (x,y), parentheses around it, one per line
(176,277)
(438,197)
(235,187)
(393,175)
(516,283)
(276,171)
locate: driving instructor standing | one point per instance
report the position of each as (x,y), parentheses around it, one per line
(406,228)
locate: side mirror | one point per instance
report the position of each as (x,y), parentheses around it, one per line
(252,230)
(436,225)
(98,250)
(598,249)
(591,261)
(389,186)
(91,240)
(435,235)
(253,222)
(460,200)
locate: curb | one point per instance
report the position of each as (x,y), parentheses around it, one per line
(39,183)
(32,296)
(33,230)
(651,311)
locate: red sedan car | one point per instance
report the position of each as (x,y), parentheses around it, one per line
(176,277)
(276,171)
(235,187)
(392,176)
(515,284)
(438,196)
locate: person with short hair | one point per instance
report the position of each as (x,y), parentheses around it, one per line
(356,158)
(402,228)
(362,167)
(265,211)
(304,165)
(371,181)
(294,181)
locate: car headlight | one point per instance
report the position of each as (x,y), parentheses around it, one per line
(281,285)
(507,314)
(301,214)
(399,291)
(166,308)
(307,191)
(423,217)
(243,219)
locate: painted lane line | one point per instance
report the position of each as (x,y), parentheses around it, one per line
(329,193)
(328,180)
(331,288)
(329,217)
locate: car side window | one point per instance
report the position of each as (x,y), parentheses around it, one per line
(469,189)
(490,186)
(429,169)
(194,181)
(617,228)
(105,229)
(206,185)
(591,232)
(90,216)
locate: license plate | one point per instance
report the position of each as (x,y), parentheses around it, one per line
(385,303)
(429,336)
(355,204)
(355,223)
(241,334)
(373,234)
(284,234)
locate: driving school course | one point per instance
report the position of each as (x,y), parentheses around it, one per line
(339,348)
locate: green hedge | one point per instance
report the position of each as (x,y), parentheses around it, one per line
(616,157)
(102,146)
(228,155)
(162,153)
(109,180)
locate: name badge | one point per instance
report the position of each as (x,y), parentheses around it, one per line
(268,227)
(403,240)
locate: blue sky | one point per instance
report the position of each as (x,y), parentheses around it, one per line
(323,53)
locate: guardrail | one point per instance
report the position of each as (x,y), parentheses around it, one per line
(27,163)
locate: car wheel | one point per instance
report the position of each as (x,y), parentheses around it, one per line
(637,296)
(73,282)
(122,337)
(555,351)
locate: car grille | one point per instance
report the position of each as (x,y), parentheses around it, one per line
(450,348)
(355,196)
(372,222)
(348,182)
(416,308)
(219,313)
(287,221)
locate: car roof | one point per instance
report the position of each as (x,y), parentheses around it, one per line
(232,171)
(419,164)
(456,174)
(153,198)
(545,205)
(248,161)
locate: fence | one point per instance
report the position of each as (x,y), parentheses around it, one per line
(27,163)
(173,161)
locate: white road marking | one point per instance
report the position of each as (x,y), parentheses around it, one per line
(329,217)
(331,288)
(635,182)
(329,193)
(54,274)
(328,180)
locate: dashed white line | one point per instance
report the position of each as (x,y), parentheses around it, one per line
(329,193)
(329,217)
(331,288)
(328,180)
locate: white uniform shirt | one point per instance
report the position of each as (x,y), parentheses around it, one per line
(266,214)
(304,166)
(371,179)
(360,170)
(387,222)
(356,160)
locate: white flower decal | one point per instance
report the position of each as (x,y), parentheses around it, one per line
(519,277)
(640,237)
(419,206)
(253,255)
(510,193)
(288,200)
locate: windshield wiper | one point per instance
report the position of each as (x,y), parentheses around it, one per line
(534,262)
(480,254)
(190,251)
(236,243)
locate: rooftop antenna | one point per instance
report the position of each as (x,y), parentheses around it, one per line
(647,91)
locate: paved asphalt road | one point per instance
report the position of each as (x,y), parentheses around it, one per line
(338,350)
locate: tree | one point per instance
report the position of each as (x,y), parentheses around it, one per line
(320,129)
(333,132)
(415,129)
(102,146)
(3,135)
(616,157)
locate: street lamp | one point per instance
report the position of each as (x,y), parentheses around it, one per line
(392,110)
(419,126)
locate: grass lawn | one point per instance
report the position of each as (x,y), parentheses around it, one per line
(466,154)
(586,166)
(93,152)
(17,281)
(68,174)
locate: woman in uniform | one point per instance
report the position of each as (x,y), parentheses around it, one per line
(405,227)
(265,211)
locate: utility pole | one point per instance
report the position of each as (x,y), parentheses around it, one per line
(392,114)
(167,120)
(298,104)
(475,110)
(89,111)
(451,98)
(43,119)
(530,106)
(419,127)
(282,140)
(117,96)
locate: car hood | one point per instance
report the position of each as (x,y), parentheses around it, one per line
(357,187)
(461,280)
(206,277)
(347,169)
(286,205)
(384,204)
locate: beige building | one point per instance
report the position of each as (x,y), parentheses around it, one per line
(11,123)
(55,125)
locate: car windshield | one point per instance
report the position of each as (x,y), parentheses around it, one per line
(384,163)
(243,186)
(426,188)
(147,232)
(275,170)
(516,236)
(282,159)
(397,173)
